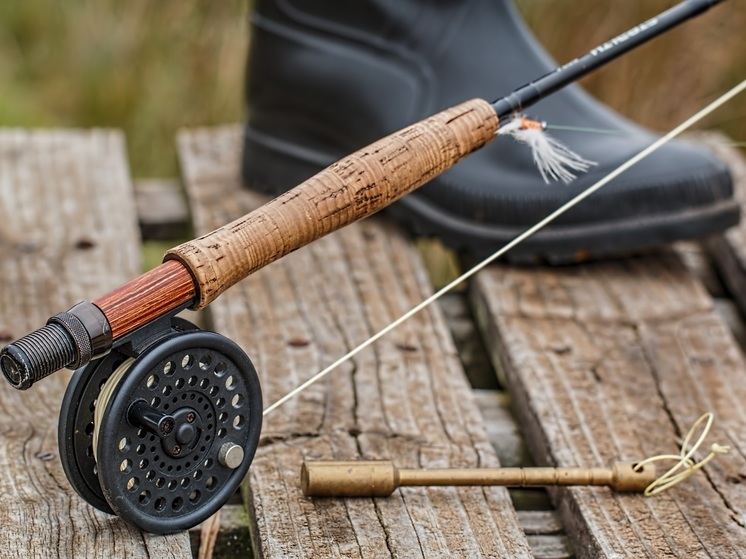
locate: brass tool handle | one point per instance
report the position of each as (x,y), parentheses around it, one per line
(346,191)
(372,478)
(355,478)
(620,477)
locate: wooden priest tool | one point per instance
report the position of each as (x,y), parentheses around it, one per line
(381,478)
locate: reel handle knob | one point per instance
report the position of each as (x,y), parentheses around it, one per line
(147,417)
(231,455)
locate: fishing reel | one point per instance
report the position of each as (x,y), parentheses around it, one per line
(162,430)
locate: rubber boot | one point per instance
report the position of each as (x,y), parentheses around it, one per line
(330,76)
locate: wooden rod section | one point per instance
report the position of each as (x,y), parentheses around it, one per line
(147,297)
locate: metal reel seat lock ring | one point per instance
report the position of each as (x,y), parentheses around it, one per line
(178,429)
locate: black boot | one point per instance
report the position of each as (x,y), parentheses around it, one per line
(329,76)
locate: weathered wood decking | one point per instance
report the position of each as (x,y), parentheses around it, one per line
(603,361)
(617,360)
(68,230)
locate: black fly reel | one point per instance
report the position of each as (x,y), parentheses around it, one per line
(163,429)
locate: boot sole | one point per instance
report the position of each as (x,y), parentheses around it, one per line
(269,165)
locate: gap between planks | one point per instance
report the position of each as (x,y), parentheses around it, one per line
(729,250)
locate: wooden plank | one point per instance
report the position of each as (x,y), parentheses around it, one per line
(695,257)
(68,232)
(545,534)
(161,209)
(616,361)
(540,522)
(550,547)
(729,250)
(406,399)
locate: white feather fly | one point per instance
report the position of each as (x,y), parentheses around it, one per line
(554,160)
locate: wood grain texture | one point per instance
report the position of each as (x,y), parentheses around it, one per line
(350,189)
(68,231)
(616,361)
(146,297)
(405,399)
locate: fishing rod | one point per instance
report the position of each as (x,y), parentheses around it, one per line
(161,420)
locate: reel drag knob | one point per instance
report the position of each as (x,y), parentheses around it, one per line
(176,430)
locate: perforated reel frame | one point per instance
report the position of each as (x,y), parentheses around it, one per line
(75,429)
(199,376)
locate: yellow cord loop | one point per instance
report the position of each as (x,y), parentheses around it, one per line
(684,458)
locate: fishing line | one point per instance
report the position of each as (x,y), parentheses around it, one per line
(517,240)
(105,394)
(609,131)
(612,132)
(684,460)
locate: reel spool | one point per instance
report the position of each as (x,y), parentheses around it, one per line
(164,437)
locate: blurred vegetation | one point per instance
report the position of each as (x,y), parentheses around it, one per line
(150,67)
(661,83)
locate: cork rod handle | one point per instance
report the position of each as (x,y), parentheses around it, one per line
(348,190)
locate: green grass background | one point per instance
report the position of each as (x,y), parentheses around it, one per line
(152,66)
